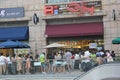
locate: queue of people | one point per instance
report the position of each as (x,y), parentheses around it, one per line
(14,64)
(54,62)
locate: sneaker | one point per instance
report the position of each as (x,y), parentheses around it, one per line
(44,73)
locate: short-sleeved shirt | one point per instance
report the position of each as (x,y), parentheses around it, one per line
(93,56)
(42,58)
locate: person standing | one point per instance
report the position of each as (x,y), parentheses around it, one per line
(99,58)
(19,64)
(113,55)
(109,57)
(68,56)
(8,65)
(43,65)
(28,62)
(50,57)
(3,62)
(93,58)
(14,64)
(85,61)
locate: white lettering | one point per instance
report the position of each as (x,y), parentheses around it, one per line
(12,14)
(2,13)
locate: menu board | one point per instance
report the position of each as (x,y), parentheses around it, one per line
(22,50)
(92,45)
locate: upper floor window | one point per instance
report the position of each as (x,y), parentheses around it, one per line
(58,1)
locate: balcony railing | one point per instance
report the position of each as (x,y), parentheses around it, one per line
(59,1)
(66,1)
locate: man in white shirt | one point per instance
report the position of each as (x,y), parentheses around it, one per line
(85,62)
(68,56)
(2,64)
(8,69)
(87,56)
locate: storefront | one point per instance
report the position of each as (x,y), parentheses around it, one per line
(76,35)
(13,26)
(85,30)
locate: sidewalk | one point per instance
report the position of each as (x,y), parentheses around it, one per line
(38,76)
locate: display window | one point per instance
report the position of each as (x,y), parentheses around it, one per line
(82,43)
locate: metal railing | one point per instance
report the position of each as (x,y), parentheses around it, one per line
(10,68)
(35,66)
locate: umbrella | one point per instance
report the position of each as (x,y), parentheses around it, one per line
(54,45)
(21,44)
(12,44)
(8,44)
(116,40)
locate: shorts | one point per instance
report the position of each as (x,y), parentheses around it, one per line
(43,65)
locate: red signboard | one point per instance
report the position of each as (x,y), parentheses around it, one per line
(80,8)
(48,10)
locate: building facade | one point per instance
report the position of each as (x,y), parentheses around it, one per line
(76,23)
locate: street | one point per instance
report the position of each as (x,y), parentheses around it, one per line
(39,76)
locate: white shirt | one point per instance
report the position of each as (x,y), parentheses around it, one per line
(86,56)
(68,55)
(2,60)
(8,60)
(101,52)
(77,57)
(87,53)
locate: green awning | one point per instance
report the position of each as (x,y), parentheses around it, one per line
(116,40)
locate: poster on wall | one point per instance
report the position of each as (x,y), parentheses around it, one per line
(92,45)
(22,50)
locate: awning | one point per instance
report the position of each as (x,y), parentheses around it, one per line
(14,33)
(116,40)
(69,30)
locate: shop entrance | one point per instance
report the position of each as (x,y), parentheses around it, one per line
(76,43)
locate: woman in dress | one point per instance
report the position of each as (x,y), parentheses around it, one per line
(28,62)
(19,64)
(13,66)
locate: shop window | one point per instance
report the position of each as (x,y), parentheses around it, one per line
(81,43)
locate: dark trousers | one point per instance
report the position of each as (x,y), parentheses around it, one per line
(14,68)
(86,66)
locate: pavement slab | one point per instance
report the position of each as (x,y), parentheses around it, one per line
(39,76)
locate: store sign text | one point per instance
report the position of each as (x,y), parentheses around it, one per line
(11,12)
(80,9)
(74,7)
